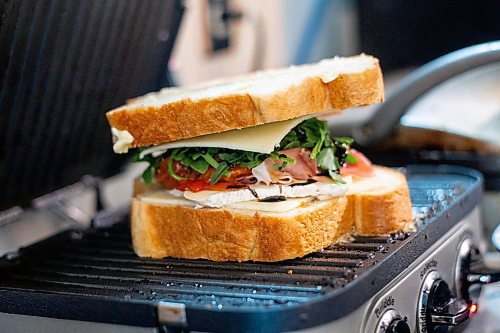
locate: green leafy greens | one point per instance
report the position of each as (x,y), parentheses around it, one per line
(312,134)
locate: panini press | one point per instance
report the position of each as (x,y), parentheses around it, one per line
(68,268)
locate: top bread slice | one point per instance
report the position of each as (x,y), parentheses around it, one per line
(262,97)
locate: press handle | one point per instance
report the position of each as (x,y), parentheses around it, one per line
(454,313)
(386,117)
(495,237)
(485,269)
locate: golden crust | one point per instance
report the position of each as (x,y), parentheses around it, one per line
(217,234)
(384,210)
(152,125)
(357,89)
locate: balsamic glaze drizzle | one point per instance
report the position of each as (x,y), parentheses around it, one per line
(273,198)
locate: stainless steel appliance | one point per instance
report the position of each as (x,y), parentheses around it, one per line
(405,282)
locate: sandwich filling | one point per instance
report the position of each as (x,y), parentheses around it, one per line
(307,162)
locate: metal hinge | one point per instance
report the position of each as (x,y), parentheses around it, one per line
(171,314)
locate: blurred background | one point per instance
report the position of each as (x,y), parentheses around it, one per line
(229,37)
(63,64)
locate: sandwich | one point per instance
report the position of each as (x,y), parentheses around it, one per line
(245,169)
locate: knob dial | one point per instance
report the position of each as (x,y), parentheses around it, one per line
(437,306)
(391,322)
(462,268)
(398,326)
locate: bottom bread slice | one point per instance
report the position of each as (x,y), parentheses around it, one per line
(376,205)
(381,208)
(239,235)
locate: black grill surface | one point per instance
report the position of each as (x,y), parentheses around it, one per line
(97,277)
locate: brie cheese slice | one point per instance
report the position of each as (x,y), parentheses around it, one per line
(219,199)
(165,198)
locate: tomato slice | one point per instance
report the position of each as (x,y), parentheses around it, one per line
(163,176)
(236,173)
(195,185)
(362,167)
(195,182)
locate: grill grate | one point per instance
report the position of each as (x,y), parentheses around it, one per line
(102,266)
(106,259)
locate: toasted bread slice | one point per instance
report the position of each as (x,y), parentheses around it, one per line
(160,230)
(377,205)
(263,97)
(381,204)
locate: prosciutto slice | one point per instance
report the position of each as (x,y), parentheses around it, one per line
(304,168)
(266,173)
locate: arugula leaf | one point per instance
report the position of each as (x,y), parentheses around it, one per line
(196,155)
(350,159)
(293,144)
(200,166)
(210,160)
(137,156)
(219,172)
(171,171)
(336,177)
(147,175)
(330,153)
(290,141)
(231,158)
(312,133)
(326,159)
(281,158)
(344,140)
(316,148)
(251,164)
(180,154)
(328,141)
(153,162)
(212,150)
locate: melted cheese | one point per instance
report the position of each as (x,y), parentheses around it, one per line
(226,198)
(260,139)
(122,140)
(165,198)
(275,207)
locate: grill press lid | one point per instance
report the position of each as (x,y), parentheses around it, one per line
(457,94)
(63,64)
(421,83)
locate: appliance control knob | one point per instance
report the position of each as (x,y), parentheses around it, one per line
(472,268)
(398,326)
(437,306)
(391,322)
(462,267)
